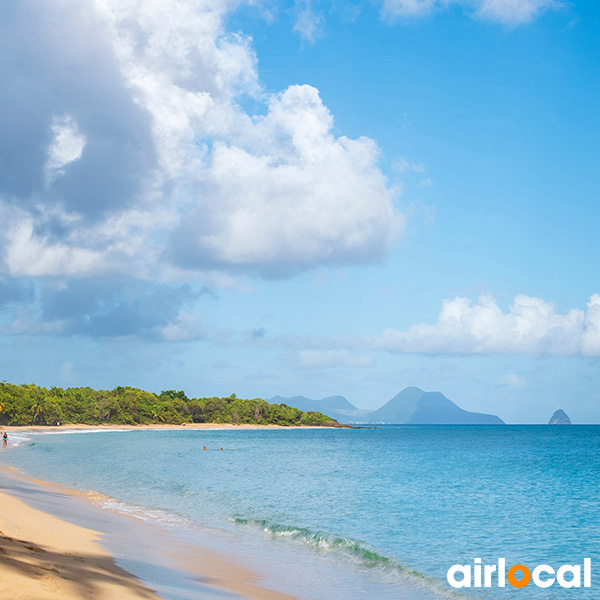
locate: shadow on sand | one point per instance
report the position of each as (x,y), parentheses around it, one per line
(86,574)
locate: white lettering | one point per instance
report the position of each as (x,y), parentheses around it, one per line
(477,573)
(487,577)
(575,570)
(543,576)
(466,573)
(543,583)
(587,572)
(501,572)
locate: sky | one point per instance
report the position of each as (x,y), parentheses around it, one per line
(312,197)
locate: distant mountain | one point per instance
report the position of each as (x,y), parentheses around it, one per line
(560,417)
(411,406)
(336,407)
(306,404)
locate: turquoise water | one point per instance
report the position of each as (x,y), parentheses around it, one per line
(367,513)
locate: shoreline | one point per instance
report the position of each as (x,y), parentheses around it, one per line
(158,426)
(58,543)
(43,557)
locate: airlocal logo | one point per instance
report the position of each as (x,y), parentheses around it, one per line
(544,576)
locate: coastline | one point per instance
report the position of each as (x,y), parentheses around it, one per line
(158,426)
(43,557)
(58,543)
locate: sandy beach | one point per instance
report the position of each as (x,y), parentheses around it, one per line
(107,427)
(46,557)
(43,557)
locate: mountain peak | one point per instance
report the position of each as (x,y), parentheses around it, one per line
(410,406)
(324,405)
(415,407)
(560,417)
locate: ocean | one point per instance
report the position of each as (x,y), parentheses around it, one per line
(351,513)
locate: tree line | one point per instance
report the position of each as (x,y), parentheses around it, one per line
(30,404)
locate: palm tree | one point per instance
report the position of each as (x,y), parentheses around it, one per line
(38,410)
(156,416)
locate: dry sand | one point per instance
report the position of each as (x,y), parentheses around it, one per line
(79,427)
(44,558)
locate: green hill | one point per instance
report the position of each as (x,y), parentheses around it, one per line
(34,405)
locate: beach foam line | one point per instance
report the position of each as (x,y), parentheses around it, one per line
(148,514)
(336,546)
(67,431)
(45,558)
(346,548)
(154,554)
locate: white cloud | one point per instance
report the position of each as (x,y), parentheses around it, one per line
(156,143)
(272,194)
(513,12)
(308,23)
(65,148)
(30,255)
(407,8)
(117,246)
(507,12)
(531,326)
(187,327)
(294,196)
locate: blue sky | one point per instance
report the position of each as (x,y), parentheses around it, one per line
(304,198)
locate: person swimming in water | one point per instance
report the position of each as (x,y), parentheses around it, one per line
(5,438)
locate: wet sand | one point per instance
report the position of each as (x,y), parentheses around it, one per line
(58,543)
(45,558)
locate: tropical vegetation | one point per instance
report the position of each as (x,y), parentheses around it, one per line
(33,405)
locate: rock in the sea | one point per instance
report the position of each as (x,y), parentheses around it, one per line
(560,417)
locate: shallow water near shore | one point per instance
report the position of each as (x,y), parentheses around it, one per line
(331,514)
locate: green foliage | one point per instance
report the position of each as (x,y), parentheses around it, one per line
(32,405)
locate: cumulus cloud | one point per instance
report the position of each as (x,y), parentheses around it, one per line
(61,86)
(531,326)
(129,150)
(507,12)
(293,197)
